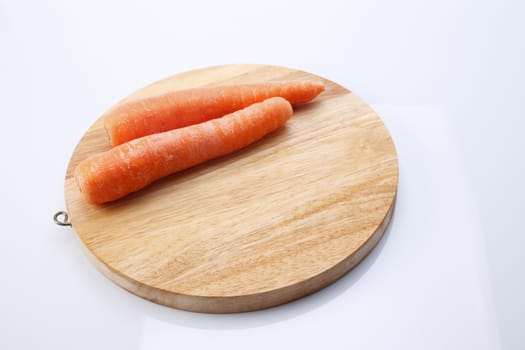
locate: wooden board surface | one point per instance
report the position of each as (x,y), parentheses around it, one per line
(268,224)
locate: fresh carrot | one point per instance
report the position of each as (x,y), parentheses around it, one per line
(133,165)
(187,107)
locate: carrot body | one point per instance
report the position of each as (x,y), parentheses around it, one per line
(133,165)
(187,107)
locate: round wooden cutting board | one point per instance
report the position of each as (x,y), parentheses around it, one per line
(270,223)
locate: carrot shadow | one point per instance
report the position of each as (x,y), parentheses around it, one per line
(305,107)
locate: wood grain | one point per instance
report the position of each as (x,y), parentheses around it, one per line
(273,222)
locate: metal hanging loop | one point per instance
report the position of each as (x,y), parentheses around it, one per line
(61,218)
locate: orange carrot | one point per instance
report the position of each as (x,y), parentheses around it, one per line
(133,165)
(187,107)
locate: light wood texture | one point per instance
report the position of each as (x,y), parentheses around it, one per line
(268,224)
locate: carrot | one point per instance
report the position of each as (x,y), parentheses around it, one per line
(186,107)
(133,165)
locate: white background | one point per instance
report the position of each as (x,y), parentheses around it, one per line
(446,76)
